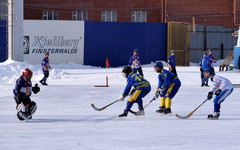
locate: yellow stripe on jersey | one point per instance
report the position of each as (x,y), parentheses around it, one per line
(135,95)
(170,89)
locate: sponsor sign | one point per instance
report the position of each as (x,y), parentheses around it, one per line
(63,40)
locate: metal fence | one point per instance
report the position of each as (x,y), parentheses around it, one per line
(218,39)
(3,29)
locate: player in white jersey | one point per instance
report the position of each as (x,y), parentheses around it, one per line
(222,88)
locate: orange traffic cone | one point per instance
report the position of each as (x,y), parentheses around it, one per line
(107,63)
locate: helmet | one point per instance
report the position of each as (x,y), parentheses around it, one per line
(172,51)
(158,64)
(205,53)
(27,74)
(47,54)
(127,70)
(209,71)
(135,50)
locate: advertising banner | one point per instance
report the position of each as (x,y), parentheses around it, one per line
(63,40)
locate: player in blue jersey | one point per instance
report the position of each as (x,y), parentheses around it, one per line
(172,63)
(134,62)
(141,89)
(210,56)
(168,86)
(45,69)
(22,92)
(205,63)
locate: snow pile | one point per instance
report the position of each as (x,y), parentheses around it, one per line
(11,70)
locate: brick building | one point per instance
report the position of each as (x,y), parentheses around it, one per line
(210,12)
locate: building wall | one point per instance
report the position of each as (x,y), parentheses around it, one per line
(209,12)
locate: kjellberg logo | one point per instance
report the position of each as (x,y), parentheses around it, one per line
(26,44)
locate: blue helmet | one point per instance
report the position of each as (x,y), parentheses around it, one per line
(159,64)
(135,50)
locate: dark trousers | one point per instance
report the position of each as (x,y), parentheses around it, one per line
(174,71)
(139,70)
(46,75)
(203,79)
(25,100)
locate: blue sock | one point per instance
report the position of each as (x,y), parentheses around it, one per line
(216,107)
(129,106)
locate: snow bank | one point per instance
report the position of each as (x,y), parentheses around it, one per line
(11,70)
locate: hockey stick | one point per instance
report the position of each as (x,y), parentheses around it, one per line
(134,112)
(189,115)
(100,109)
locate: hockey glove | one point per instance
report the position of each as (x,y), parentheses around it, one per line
(218,92)
(36,89)
(201,69)
(121,98)
(210,95)
(158,93)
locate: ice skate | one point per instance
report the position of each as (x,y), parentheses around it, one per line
(161,109)
(124,114)
(214,116)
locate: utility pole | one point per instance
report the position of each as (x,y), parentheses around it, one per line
(10,29)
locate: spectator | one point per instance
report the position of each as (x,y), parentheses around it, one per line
(134,62)
(172,63)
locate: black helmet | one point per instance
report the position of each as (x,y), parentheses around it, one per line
(127,70)
(158,64)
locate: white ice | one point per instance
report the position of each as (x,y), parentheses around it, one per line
(65,120)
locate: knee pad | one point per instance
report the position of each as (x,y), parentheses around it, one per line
(33,108)
(22,108)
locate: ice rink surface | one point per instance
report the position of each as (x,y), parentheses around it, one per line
(65,120)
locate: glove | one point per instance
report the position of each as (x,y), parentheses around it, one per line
(158,92)
(201,69)
(121,98)
(19,97)
(218,92)
(36,89)
(210,95)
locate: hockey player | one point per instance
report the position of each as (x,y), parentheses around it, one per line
(210,56)
(134,62)
(141,89)
(45,69)
(172,63)
(222,88)
(168,86)
(22,92)
(205,63)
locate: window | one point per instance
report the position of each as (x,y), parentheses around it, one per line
(50,15)
(139,16)
(109,16)
(79,15)
(3,9)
